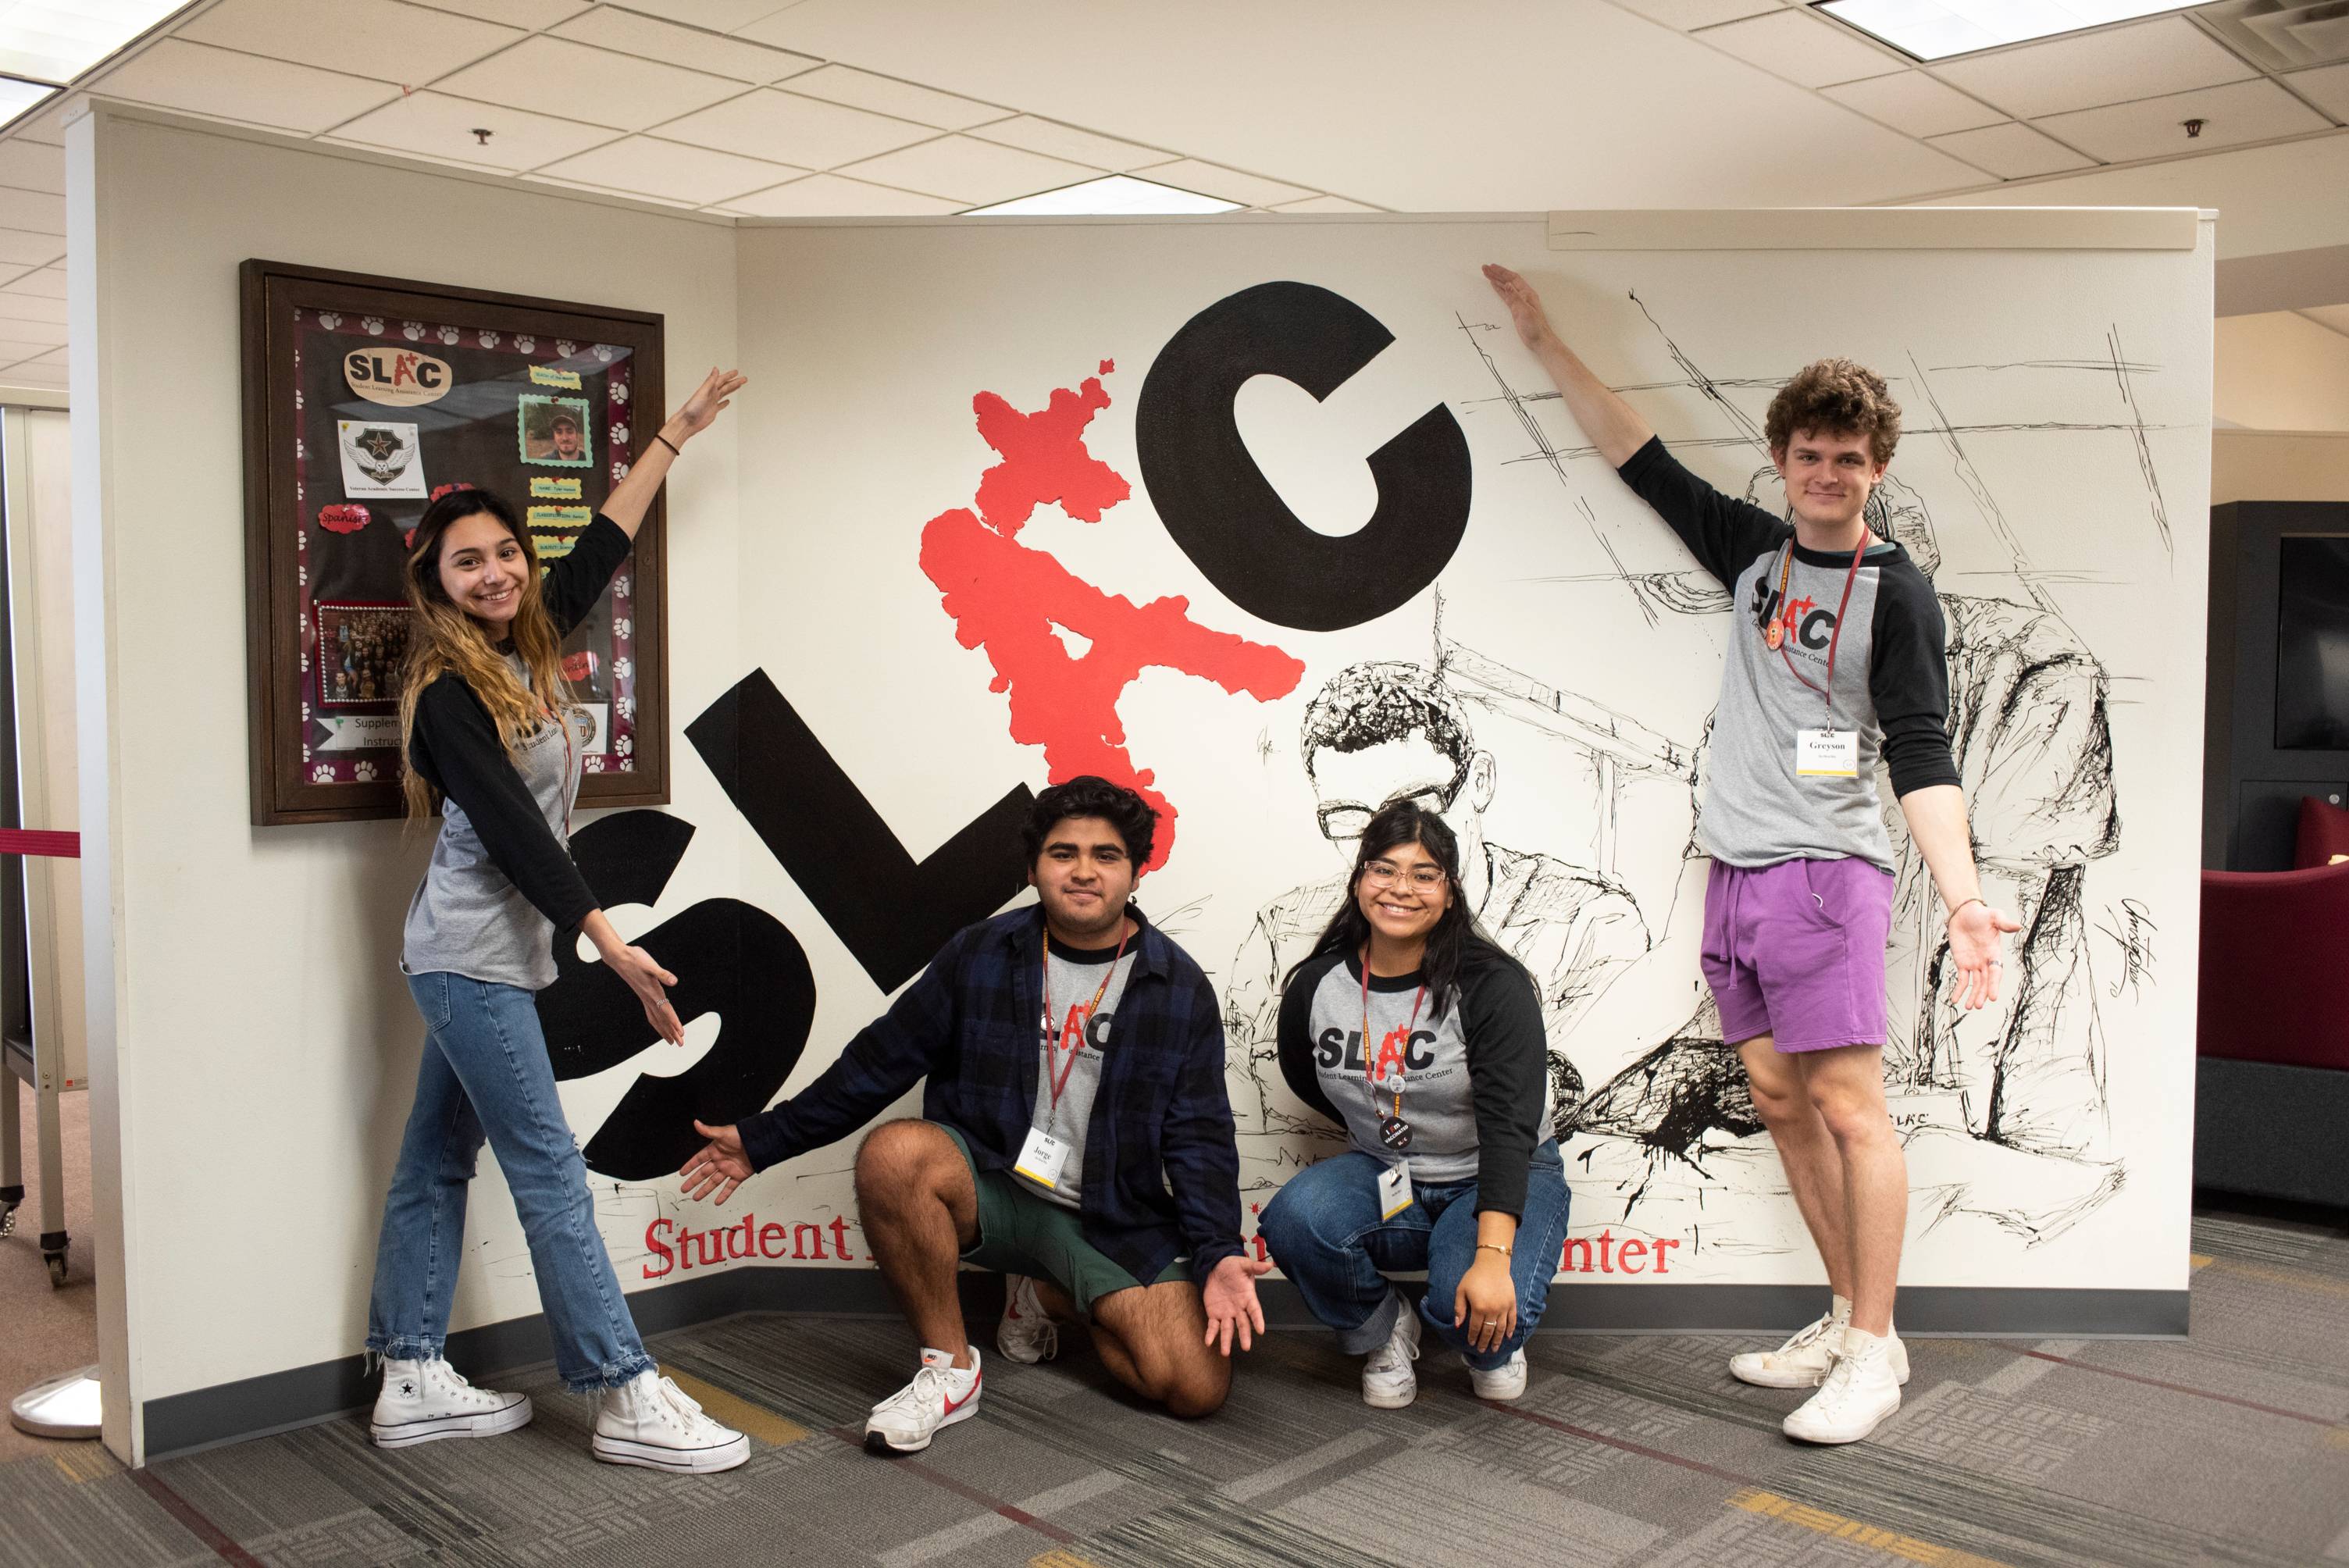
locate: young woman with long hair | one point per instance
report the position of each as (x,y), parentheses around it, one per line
(1423,1040)
(493,740)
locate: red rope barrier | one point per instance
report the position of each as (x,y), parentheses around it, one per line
(37,841)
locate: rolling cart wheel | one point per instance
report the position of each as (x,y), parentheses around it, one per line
(57,1269)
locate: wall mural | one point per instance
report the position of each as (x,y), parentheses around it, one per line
(1574,801)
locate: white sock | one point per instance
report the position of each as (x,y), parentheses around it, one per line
(1840,1312)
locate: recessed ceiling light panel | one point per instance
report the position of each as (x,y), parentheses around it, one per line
(1115,195)
(1937,29)
(54,41)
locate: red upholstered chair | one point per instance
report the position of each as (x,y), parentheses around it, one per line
(2273,1035)
(2323,833)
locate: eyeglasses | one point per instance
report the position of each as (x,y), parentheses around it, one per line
(1383,873)
(1342,823)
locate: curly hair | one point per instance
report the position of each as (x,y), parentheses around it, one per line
(1835,397)
(1385,699)
(1090,795)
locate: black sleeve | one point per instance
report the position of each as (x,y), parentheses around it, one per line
(1908,678)
(1297,1036)
(455,745)
(574,581)
(1508,1069)
(1724,533)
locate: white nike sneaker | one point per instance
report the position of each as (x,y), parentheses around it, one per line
(650,1421)
(1505,1381)
(424,1401)
(1856,1396)
(940,1394)
(1025,1334)
(1388,1381)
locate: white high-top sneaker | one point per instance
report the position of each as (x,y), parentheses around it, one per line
(1388,1381)
(1505,1381)
(1025,1334)
(940,1394)
(1856,1396)
(1801,1363)
(650,1421)
(424,1401)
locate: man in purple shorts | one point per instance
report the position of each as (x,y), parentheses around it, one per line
(1837,655)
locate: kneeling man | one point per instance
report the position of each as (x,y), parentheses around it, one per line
(1088,1162)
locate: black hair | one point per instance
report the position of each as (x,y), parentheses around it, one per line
(1387,700)
(1457,940)
(1090,795)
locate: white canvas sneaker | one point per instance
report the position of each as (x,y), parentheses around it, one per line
(425,1401)
(1388,1381)
(1025,1334)
(1505,1381)
(1857,1395)
(940,1394)
(1801,1363)
(650,1421)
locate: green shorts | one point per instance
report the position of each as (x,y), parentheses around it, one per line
(1022,1232)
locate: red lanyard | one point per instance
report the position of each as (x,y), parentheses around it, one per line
(1059,1080)
(1786,573)
(1370,1078)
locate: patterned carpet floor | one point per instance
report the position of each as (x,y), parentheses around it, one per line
(2228,1446)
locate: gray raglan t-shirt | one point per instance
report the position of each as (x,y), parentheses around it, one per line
(1075,977)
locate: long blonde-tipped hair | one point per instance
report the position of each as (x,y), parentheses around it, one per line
(445,639)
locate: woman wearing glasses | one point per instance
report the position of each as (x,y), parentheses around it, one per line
(1409,1029)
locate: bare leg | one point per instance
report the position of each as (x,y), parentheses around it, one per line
(1847,1086)
(1815,1171)
(1056,1302)
(919,1209)
(1152,1340)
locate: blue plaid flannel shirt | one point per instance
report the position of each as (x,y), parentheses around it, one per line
(1162,1170)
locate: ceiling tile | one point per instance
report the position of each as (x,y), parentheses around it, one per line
(1805,49)
(437,126)
(30,250)
(2328,89)
(375,38)
(48,333)
(47,283)
(15,308)
(32,209)
(1914,102)
(47,124)
(13,352)
(609,27)
(531,14)
(2151,128)
(830,196)
(695,176)
(33,166)
(537,178)
(886,95)
(1057,140)
(1231,184)
(226,85)
(717,15)
(804,132)
(1326,204)
(2011,151)
(1688,16)
(50,377)
(2088,69)
(970,172)
(552,75)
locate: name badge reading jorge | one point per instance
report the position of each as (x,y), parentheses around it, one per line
(1040,1158)
(1827,753)
(1394,1190)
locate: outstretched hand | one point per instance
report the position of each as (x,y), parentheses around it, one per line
(1526,311)
(720,1167)
(1231,1303)
(1975,932)
(708,399)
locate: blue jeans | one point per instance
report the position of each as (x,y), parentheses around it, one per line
(486,1072)
(1325,1233)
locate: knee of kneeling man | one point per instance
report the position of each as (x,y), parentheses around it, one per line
(1198,1394)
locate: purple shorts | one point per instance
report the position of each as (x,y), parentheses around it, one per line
(1795,951)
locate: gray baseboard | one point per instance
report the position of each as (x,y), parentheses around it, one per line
(279,1401)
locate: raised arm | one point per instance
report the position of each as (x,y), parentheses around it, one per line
(633,495)
(1613,426)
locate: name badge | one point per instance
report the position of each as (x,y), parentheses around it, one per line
(1040,1158)
(1394,1190)
(1827,753)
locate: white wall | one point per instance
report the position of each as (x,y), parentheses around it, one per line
(261,1045)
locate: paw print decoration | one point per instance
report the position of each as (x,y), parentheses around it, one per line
(565,347)
(323,773)
(329,319)
(363,771)
(411,330)
(489,339)
(449,334)
(525,342)
(373,323)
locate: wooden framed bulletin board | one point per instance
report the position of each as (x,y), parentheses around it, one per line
(364,398)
